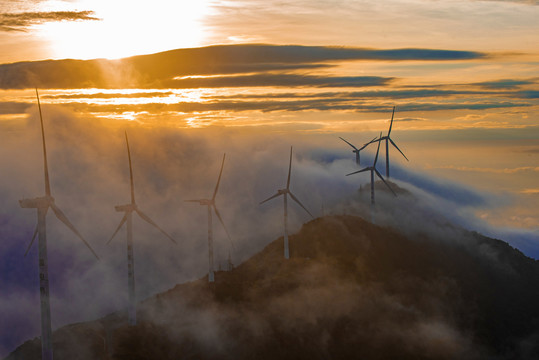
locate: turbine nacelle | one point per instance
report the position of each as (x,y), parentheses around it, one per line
(126,208)
(42,202)
(208,202)
(356,150)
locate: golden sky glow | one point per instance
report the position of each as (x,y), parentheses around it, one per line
(485,79)
(140,27)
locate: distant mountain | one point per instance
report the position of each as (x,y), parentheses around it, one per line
(351,290)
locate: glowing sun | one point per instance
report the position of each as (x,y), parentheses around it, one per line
(127,28)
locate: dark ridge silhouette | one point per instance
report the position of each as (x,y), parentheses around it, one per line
(158,70)
(350,290)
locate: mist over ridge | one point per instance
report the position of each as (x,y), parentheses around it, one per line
(89,176)
(350,288)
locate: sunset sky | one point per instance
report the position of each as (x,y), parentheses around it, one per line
(251,78)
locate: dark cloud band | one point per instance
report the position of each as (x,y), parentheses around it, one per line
(277,80)
(280,105)
(253,62)
(20,21)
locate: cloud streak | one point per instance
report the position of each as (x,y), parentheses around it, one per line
(158,109)
(506,83)
(280,80)
(393,94)
(21,21)
(490,170)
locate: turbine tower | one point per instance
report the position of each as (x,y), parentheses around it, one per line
(373,170)
(286,192)
(210,203)
(128,209)
(388,140)
(356,150)
(42,204)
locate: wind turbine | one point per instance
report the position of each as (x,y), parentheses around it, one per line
(388,140)
(128,209)
(210,203)
(356,150)
(42,204)
(285,192)
(373,170)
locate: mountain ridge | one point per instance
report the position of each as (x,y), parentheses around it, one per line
(350,289)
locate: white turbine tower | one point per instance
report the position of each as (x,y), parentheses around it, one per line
(210,203)
(285,192)
(356,150)
(388,140)
(42,204)
(373,170)
(128,209)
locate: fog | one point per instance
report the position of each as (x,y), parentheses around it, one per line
(89,175)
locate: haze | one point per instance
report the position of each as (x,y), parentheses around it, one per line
(251,78)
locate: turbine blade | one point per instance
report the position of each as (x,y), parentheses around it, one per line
(150,221)
(300,204)
(395,145)
(219,178)
(271,197)
(370,142)
(289,169)
(61,216)
(389,187)
(222,223)
(378,150)
(124,219)
(31,242)
(359,171)
(355,148)
(130,170)
(45,164)
(391,124)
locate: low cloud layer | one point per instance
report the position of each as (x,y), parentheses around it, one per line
(89,176)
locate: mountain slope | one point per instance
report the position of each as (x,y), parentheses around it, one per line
(350,290)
